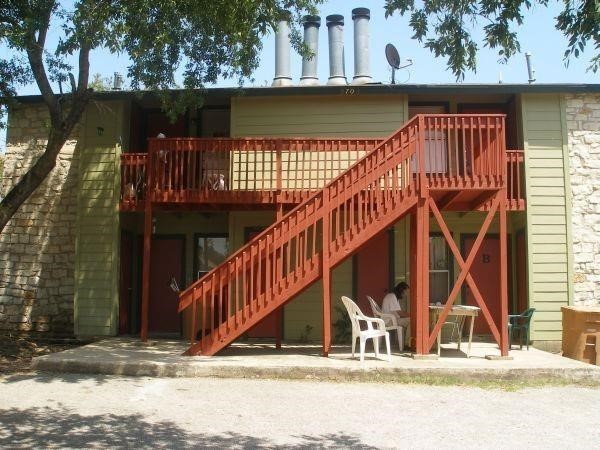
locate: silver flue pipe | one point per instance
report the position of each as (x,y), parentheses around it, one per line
(311,40)
(362,71)
(283,72)
(335,31)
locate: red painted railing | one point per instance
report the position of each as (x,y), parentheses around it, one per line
(335,221)
(295,251)
(515,181)
(133,179)
(184,170)
(463,150)
(459,151)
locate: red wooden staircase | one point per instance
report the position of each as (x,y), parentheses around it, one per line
(334,222)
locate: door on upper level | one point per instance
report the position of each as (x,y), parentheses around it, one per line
(149,122)
(436,148)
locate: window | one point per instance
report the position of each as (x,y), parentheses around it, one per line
(210,251)
(439,269)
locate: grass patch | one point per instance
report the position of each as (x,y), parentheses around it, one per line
(510,382)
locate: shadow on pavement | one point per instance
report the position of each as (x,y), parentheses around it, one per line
(51,427)
(50,377)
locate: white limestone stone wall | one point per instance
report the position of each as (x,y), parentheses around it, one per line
(583,124)
(37,247)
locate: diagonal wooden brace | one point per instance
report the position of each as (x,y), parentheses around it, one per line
(469,279)
(464,273)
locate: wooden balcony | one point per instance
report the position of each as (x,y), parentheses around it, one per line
(462,158)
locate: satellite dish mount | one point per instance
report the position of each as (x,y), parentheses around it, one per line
(393,59)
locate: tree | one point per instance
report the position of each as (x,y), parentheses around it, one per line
(445,27)
(99,83)
(200,39)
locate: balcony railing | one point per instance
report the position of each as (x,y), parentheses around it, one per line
(196,169)
(515,181)
(458,152)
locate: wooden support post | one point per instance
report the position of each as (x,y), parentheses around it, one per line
(503,276)
(419,276)
(146,270)
(279,311)
(413,279)
(422,267)
(326,276)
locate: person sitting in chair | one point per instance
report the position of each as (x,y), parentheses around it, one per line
(391,305)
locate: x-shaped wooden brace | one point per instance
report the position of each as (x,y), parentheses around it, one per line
(465,267)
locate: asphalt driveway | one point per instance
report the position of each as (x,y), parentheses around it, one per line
(52,410)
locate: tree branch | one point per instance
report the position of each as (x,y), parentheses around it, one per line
(35,51)
(84,68)
(41,40)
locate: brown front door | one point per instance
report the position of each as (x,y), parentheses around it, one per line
(486,273)
(167,258)
(158,122)
(266,328)
(125,288)
(372,271)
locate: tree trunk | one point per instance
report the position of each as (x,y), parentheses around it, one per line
(32,179)
(37,173)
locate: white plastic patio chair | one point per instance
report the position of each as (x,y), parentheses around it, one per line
(391,323)
(375,330)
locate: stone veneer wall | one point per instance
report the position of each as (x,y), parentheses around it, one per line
(583,125)
(37,247)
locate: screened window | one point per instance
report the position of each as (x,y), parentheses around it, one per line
(211,250)
(439,269)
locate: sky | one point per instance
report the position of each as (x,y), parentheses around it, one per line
(537,35)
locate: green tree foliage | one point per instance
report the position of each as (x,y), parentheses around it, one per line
(445,27)
(197,40)
(99,83)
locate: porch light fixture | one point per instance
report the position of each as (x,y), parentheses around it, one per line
(100,131)
(154,225)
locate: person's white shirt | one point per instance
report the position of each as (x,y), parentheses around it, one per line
(390,303)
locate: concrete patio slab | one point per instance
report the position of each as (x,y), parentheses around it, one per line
(163,358)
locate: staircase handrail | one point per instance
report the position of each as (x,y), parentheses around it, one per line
(184,303)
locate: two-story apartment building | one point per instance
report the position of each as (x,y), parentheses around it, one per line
(73,256)
(265,205)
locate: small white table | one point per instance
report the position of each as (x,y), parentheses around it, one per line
(460,311)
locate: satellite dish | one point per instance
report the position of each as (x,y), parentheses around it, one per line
(393,58)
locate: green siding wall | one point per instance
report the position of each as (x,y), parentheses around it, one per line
(97,243)
(548,233)
(317,116)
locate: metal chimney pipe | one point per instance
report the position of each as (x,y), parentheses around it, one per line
(530,71)
(362,73)
(311,39)
(335,31)
(283,72)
